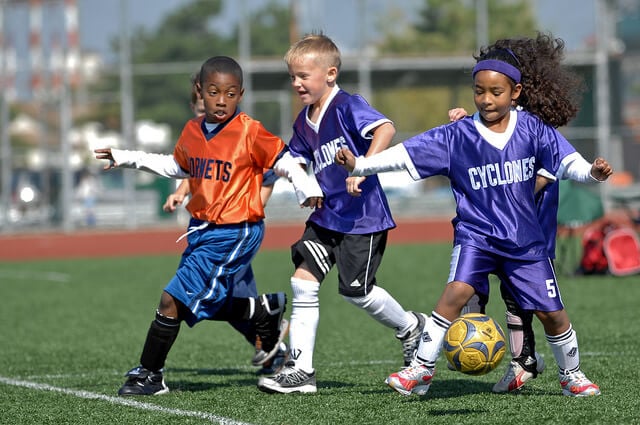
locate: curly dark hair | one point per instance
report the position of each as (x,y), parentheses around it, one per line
(549,90)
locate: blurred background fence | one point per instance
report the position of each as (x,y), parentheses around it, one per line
(82,74)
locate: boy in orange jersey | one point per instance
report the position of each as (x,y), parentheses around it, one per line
(245,283)
(223,153)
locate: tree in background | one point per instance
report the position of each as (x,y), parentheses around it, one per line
(184,39)
(442,28)
(448,27)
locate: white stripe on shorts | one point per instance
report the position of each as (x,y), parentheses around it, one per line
(320,255)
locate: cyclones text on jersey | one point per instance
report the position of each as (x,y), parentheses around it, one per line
(495,175)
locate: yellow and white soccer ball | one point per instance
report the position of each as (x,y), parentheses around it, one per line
(474,344)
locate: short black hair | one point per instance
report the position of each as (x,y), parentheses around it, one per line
(223,65)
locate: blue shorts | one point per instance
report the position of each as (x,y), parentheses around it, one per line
(532,284)
(212,263)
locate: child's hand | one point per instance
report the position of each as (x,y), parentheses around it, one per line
(346,159)
(601,170)
(353,185)
(172,202)
(456,114)
(105,153)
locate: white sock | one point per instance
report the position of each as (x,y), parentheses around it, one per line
(431,342)
(385,309)
(565,350)
(305,315)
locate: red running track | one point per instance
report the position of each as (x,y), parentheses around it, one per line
(114,243)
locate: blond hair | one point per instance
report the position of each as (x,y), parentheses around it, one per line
(327,53)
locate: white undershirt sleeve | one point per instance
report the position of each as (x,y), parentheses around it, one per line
(392,159)
(575,167)
(306,186)
(162,164)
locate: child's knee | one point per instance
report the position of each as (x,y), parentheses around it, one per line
(554,322)
(168,305)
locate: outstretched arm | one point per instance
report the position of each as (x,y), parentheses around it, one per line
(382,136)
(393,159)
(161,164)
(576,168)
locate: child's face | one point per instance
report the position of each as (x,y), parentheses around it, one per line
(494,94)
(221,94)
(311,80)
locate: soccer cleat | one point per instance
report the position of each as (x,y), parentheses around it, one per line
(576,384)
(142,381)
(289,380)
(411,339)
(273,366)
(413,379)
(272,329)
(517,374)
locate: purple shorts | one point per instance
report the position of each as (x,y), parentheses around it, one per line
(532,284)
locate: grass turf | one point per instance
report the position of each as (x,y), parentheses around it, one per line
(71,329)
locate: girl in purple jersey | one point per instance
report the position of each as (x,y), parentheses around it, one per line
(345,231)
(492,160)
(544,101)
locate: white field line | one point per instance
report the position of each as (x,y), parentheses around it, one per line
(121,401)
(34,275)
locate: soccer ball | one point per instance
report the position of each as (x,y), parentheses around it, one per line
(474,344)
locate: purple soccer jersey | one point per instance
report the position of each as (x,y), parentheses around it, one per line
(345,121)
(493,178)
(547,204)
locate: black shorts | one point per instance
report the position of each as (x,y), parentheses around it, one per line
(357,257)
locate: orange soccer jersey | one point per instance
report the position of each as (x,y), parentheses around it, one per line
(225,172)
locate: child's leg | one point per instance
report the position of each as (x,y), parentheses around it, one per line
(519,327)
(564,345)
(562,339)
(162,333)
(358,258)
(454,297)
(525,363)
(416,379)
(245,287)
(380,305)
(305,316)
(298,374)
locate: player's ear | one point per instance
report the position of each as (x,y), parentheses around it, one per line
(517,89)
(332,74)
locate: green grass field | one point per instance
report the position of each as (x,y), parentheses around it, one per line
(71,329)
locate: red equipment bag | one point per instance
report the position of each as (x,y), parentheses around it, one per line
(622,250)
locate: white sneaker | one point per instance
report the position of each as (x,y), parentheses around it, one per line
(576,384)
(413,379)
(516,376)
(289,380)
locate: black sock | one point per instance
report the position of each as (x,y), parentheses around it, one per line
(162,333)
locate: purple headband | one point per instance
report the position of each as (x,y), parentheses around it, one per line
(498,66)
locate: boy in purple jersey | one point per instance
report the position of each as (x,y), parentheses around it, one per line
(492,160)
(349,232)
